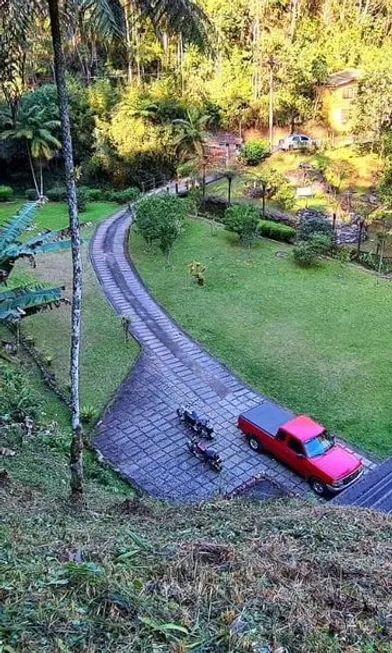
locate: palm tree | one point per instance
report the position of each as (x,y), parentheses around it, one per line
(31,127)
(229,174)
(27,299)
(190,140)
(182,16)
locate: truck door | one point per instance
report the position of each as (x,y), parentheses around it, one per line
(281,450)
(296,455)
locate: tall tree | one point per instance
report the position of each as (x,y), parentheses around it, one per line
(32,128)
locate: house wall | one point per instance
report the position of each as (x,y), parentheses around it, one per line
(337,106)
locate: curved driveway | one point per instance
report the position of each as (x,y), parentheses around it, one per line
(140,434)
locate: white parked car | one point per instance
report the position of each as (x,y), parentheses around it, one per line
(295,142)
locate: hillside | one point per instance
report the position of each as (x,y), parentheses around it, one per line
(127,574)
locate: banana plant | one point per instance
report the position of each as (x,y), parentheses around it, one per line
(16,303)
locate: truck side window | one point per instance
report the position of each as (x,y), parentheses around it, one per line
(281,436)
(295,446)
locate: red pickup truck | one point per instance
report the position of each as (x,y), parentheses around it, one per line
(303,445)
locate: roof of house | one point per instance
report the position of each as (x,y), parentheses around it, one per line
(343,77)
(303,428)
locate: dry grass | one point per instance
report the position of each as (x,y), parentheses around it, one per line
(228,576)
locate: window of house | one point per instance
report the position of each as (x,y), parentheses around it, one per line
(295,446)
(348,93)
(345,115)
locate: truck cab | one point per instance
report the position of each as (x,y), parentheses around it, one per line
(302,444)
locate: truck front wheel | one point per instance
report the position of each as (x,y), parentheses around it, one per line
(318,487)
(254,443)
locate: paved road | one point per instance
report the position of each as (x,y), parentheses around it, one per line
(140,434)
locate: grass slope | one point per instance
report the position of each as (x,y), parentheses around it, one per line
(317,340)
(229,576)
(105,355)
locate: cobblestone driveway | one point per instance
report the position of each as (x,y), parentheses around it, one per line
(140,434)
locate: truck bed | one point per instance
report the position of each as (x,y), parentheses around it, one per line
(268,416)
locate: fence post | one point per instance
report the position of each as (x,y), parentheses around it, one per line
(153,183)
(176,187)
(143,187)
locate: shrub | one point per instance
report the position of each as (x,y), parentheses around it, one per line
(285,196)
(88,414)
(313,226)
(197,270)
(243,220)
(160,218)
(371,260)
(123,196)
(6,193)
(81,196)
(17,401)
(31,194)
(276,231)
(93,194)
(307,252)
(254,152)
(57,194)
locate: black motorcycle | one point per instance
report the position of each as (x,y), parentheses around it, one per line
(200,425)
(205,454)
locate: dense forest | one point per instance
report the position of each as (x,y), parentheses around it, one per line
(128,89)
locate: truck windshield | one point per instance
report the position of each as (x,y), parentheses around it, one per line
(318,446)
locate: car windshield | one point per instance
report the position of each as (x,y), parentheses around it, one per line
(318,446)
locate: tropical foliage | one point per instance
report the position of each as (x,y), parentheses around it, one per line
(136,101)
(244,221)
(160,219)
(20,301)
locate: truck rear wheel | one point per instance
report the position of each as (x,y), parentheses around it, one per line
(254,443)
(318,487)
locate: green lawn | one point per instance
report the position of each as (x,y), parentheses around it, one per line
(317,340)
(54,215)
(105,356)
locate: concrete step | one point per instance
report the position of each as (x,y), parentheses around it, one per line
(374,490)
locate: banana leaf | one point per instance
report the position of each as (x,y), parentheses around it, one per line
(13,227)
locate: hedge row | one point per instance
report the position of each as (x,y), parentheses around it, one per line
(59,194)
(276,231)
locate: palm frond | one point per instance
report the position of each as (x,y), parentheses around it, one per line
(106,15)
(13,227)
(178,16)
(47,248)
(27,300)
(24,251)
(47,137)
(48,236)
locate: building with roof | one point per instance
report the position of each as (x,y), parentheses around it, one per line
(337,98)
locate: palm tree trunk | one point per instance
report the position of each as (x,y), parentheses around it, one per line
(32,170)
(41,180)
(129,43)
(76,453)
